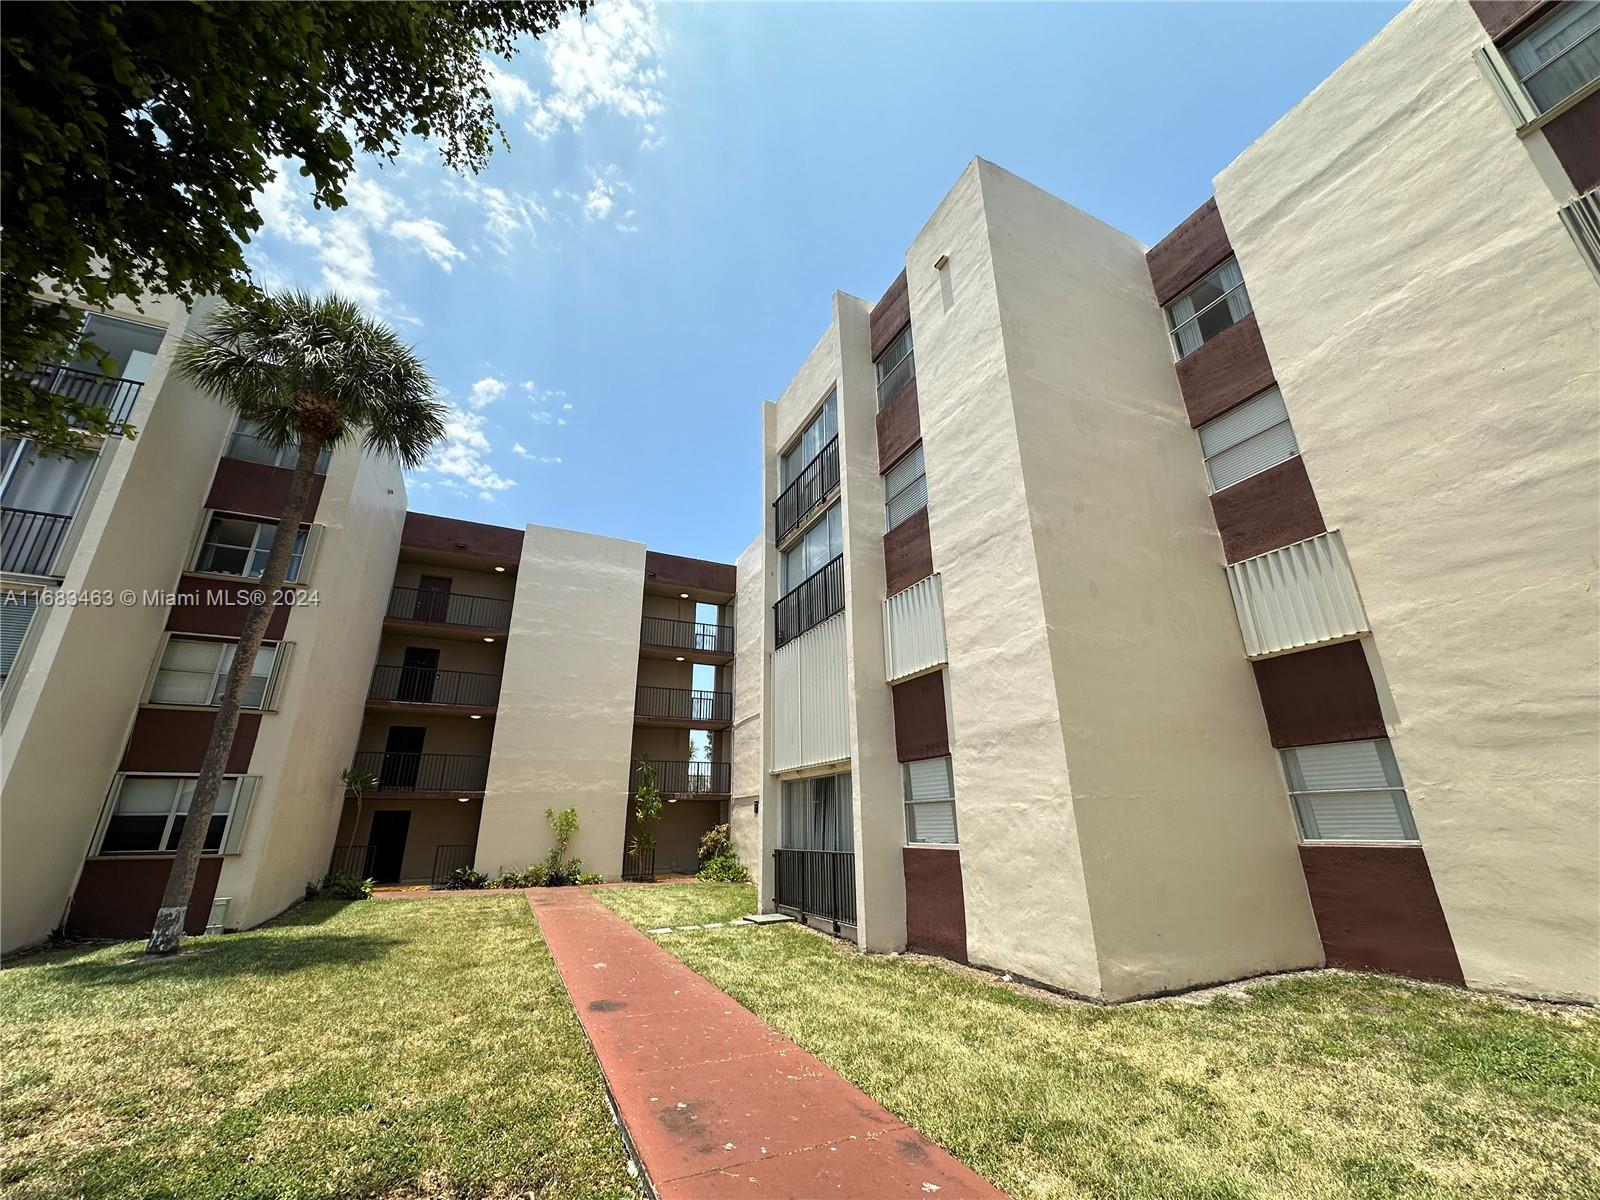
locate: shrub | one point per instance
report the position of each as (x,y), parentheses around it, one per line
(715,842)
(342,887)
(723,868)
(464,879)
(591,877)
(534,875)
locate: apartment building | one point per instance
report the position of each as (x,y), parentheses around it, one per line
(1134,618)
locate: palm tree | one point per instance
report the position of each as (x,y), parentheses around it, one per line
(317,372)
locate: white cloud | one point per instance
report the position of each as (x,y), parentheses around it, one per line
(598,203)
(509,92)
(376,204)
(607,62)
(428,236)
(522,451)
(461,463)
(486,391)
(348,265)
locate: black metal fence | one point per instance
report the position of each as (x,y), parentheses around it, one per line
(447,860)
(30,541)
(677,777)
(683,704)
(448,608)
(816,883)
(352,860)
(639,867)
(686,635)
(420,685)
(89,388)
(819,596)
(397,772)
(807,491)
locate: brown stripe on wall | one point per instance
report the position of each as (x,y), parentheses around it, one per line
(256,489)
(907,553)
(1227,370)
(1575,137)
(423,531)
(1266,511)
(118,897)
(920,729)
(890,315)
(698,573)
(899,426)
(218,607)
(936,909)
(1377,910)
(1500,16)
(1316,696)
(175,740)
(1185,255)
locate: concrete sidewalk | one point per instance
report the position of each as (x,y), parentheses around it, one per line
(715,1102)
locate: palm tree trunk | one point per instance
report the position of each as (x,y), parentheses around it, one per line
(168,931)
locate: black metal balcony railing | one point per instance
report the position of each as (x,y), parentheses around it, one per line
(818,597)
(817,883)
(448,859)
(639,866)
(448,608)
(352,860)
(30,541)
(684,778)
(89,388)
(686,635)
(419,685)
(808,490)
(683,704)
(405,772)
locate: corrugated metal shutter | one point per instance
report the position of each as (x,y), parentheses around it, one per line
(1302,595)
(913,630)
(905,489)
(16,610)
(1246,440)
(811,699)
(1582,219)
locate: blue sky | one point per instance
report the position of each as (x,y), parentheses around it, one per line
(607,305)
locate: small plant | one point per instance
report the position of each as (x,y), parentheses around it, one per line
(465,879)
(715,841)
(343,887)
(718,863)
(589,877)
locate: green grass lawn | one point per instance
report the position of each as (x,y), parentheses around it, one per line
(1322,1085)
(673,904)
(398,1049)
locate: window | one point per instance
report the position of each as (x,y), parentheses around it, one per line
(239,546)
(16,610)
(905,489)
(1205,310)
(822,543)
(148,811)
(930,802)
(130,346)
(817,814)
(40,496)
(1246,440)
(1348,792)
(824,427)
(1558,56)
(896,367)
(195,670)
(247,444)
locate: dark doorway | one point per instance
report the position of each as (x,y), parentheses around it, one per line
(387,842)
(417,675)
(402,756)
(433,598)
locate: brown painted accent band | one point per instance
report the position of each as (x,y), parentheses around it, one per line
(890,315)
(1184,256)
(423,531)
(1377,910)
(1267,511)
(899,426)
(1227,370)
(256,489)
(118,897)
(907,553)
(920,730)
(1318,696)
(702,574)
(1575,137)
(936,909)
(175,740)
(1499,17)
(196,613)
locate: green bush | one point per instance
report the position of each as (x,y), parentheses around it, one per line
(723,868)
(715,842)
(464,879)
(591,877)
(341,887)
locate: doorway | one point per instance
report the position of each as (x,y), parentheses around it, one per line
(402,756)
(433,598)
(418,673)
(386,844)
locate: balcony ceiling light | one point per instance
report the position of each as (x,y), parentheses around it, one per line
(683,595)
(502,570)
(488,639)
(463,799)
(476,716)
(680,658)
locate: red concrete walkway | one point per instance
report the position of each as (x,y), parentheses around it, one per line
(714,1100)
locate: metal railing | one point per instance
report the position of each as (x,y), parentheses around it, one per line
(807,491)
(89,388)
(420,685)
(683,704)
(402,772)
(817,883)
(448,608)
(352,860)
(447,860)
(639,866)
(818,597)
(686,635)
(30,541)
(681,777)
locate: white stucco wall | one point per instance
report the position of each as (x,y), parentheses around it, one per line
(1434,333)
(749,671)
(564,727)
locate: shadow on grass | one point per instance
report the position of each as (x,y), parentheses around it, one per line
(233,955)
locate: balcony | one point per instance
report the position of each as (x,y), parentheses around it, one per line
(31,541)
(685,778)
(452,774)
(470,615)
(818,597)
(89,388)
(816,883)
(807,493)
(683,706)
(663,637)
(405,686)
